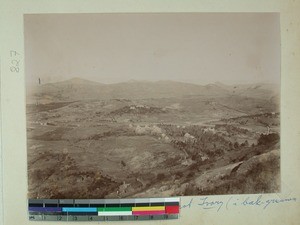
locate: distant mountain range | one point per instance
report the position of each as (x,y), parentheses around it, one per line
(81,89)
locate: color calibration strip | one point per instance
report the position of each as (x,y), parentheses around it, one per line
(103,209)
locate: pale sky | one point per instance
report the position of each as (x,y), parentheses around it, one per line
(200,48)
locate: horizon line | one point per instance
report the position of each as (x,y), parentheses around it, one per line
(155,81)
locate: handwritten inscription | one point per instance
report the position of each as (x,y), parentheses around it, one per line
(14,61)
(189,205)
(211,203)
(205,203)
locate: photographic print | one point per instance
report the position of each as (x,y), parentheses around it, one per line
(129,105)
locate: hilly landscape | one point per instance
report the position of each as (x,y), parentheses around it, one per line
(152,139)
(80,89)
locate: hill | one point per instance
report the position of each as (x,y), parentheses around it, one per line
(79,89)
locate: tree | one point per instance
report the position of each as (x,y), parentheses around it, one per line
(267,138)
(160,176)
(123,163)
(236,144)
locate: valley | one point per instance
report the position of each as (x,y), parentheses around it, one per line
(151,139)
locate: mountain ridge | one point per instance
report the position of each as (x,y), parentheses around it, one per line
(217,83)
(81,89)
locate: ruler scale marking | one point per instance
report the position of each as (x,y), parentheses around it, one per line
(103,209)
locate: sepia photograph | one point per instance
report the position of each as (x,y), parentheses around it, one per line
(135,105)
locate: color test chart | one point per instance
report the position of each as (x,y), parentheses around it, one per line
(103,209)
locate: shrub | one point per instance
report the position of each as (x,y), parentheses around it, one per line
(160,176)
(236,145)
(179,174)
(267,138)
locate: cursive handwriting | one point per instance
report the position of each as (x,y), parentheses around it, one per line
(227,203)
(189,205)
(208,204)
